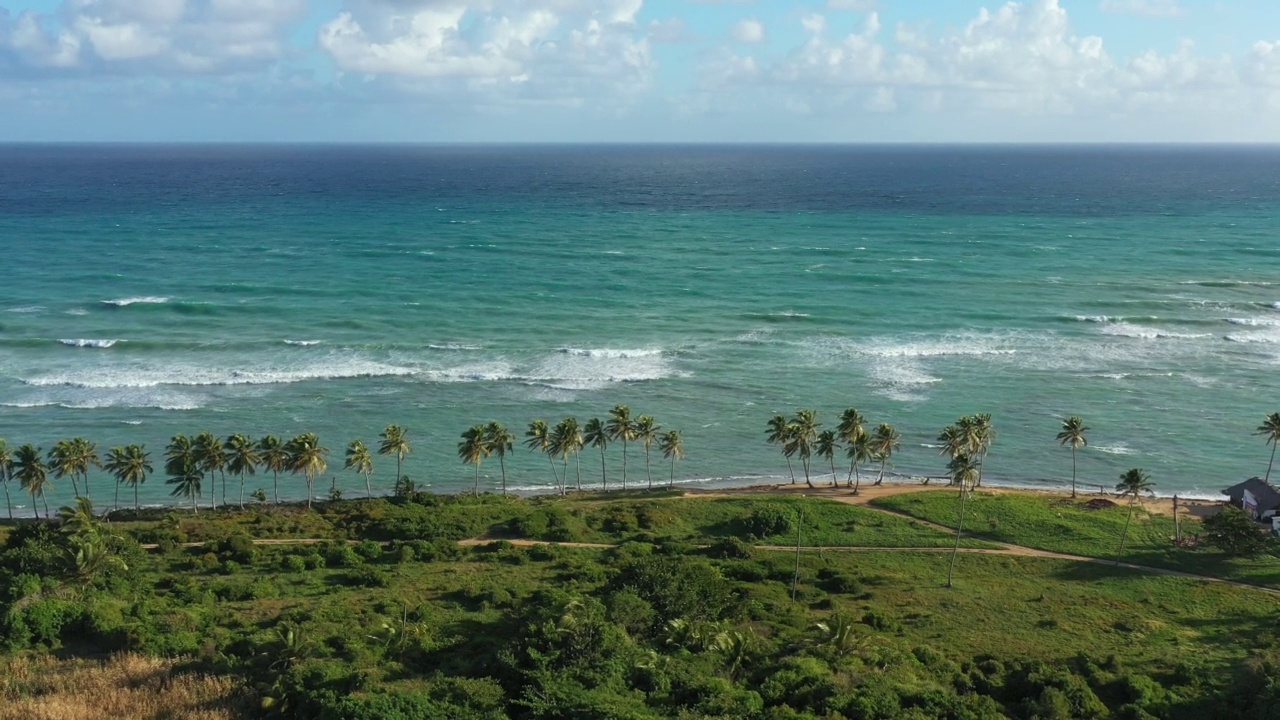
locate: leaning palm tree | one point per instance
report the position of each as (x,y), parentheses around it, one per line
(274,457)
(538,437)
(779,433)
(620,426)
(1133,483)
(6,473)
(804,433)
(964,471)
(129,465)
(32,476)
(883,442)
(985,436)
(500,440)
(826,448)
(595,435)
(308,457)
(62,463)
(473,449)
(953,442)
(851,429)
(566,440)
(182,465)
(241,459)
(1072,434)
(859,452)
(86,456)
(1270,428)
(672,447)
(361,460)
(209,459)
(646,431)
(395,441)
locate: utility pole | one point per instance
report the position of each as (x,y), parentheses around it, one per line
(795,579)
(1177,525)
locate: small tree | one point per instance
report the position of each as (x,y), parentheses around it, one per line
(1233,532)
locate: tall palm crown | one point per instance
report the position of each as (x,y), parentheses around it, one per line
(473,449)
(778,432)
(361,460)
(953,441)
(859,452)
(32,475)
(672,447)
(130,465)
(538,437)
(620,426)
(273,456)
(1133,483)
(804,433)
(395,441)
(6,473)
(500,443)
(182,465)
(851,430)
(63,463)
(566,440)
(965,469)
(1270,428)
(826,447)
(646,431)
(309,457)
(86,456)
(209,459)
(241,458)
(596,435)
(884,441)
(985,436)
(1072,434)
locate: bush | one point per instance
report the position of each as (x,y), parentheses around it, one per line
(731,548)
(1235,533)
(369,550)
(768,521)
(342,556)
(835,581)
(367,577)
(293,563)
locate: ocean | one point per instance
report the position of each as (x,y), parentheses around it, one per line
(154,290)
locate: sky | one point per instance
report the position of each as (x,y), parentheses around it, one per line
(828,71)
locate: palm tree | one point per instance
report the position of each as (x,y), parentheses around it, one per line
(852,428)
(620,426)
(1133,483)
(63,463)
(130,465)
(1072,434)
(566,440)
(538,437)
(883,442)
(859,452)
(186,479)
(826,448)
(1270,428)
(779,433)
(672,447)
(395,441)
(210,459)
(241,459)
(804,434)
(595,435)
(984,436)
(275,458)
(646,431)
(308,457)
(953,442)
(500,440)
(964,470)
(32,475)
(6,473)
(473,449)
(361,460)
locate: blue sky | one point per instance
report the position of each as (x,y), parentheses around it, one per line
(640,70)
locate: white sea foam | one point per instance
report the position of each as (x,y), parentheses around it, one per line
(455,346)
(1255,321)
(578,369)
(96,399)
(1269,336)
(1097,318)
(78,312)
(1129,330)
(302,343)
(1117,449)
(900,379)
(88,343)
(146,300)
(790,314)
(1275,305)
(178,374)
(612,352)
(26,309)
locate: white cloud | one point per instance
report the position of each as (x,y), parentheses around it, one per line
(856,5)
(1145,8)
(748,31)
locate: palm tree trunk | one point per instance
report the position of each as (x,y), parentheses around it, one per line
(1125,534)
(672,481)
(857,479)
(792,471)
(564,475)
(624,462)
(552,462)
(648,471)
(241,491)
(502,463)
(195,509)
(834,481)
(7,503)
(75,486)
(577,468)
(223,475)
(1269,464)
(475,490)
(136,507)
(35,507)
(805,462)
(116,505)
(852,465)
(604,479)
(880,477)
(368,489)
(46,504)
(959,529)
(398,459)
(88,496)
(1073,471)
(310,491)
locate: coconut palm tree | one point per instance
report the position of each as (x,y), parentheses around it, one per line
(859,452)
(273,456)
(984,436)
(826,448)
(538,437)
(850,430)
(395,441)
(779,433)
(597,436)
(964,471)
(884,441)
(500,440)
(1270,428)
(63,463)
(32,475)
(241,459)
(130,465)
(646,431)
(6,473)
(361,460)
(186,479)
(672,447)
(953,442)
(804,433)
(309,457)
(210,459)
(1072,434)
(620,426)
(1133,483)
(566,440)
(473,449)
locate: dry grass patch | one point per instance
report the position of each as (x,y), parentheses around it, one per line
(126,687)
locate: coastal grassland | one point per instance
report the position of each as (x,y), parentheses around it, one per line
(1059,524)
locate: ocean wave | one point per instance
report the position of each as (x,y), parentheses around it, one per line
(1117,449)
(1130,330)
(302,343)
(88,343)
(179,375)
(1228,283)
(1275,305)
(612,353)
(1255,321)
(455,346)
(1262,336)
(941,348)
(145,300)
(26,309)
(105,398)
(78,312)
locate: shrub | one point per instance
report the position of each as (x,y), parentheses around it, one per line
(1235,533)
(369,550)
(342,556)
(768,521)
(731,548)
(293,563)
(837,582)
(368,577)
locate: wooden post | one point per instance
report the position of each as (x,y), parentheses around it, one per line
(1177,526)
(795,579)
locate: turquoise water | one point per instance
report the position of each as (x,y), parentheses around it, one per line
(152,291)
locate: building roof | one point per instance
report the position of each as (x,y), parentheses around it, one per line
(1264,492)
